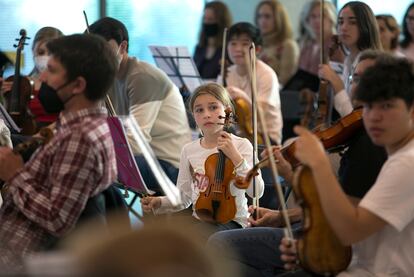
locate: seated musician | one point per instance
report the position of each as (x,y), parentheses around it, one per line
(208,104)
(240,37)
(146,92)
(380,228)
(44,198)
(359,168)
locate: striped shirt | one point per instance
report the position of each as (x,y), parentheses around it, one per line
(47,196)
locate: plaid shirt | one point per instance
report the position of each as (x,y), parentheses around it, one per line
(47,196)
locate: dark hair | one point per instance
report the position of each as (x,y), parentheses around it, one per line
(88,56)
(245,28)
(390,77)
(110,28)
(367,25)
(224,20)
(406,34)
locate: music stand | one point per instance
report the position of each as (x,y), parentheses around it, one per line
(129,176)
(178,64)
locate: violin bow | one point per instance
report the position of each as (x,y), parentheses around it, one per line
(223,67)
(276,184)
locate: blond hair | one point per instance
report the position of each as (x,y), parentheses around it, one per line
(213,89)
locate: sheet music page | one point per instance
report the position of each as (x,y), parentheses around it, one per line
(178,64)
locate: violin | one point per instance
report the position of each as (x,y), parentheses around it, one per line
(216,204)
(319,249)
(45,135)
(332,138)
(17,100)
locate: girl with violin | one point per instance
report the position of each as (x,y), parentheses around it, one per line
(389,33)
(208,105)
(40,56)
(357,31)
(240,38)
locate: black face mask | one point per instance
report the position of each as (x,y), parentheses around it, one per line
(49,98)
(210,30)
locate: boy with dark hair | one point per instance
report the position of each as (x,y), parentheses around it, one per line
(145,92)
(381,226)
(45,197)
(240,38)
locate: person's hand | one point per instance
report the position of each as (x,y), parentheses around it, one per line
(266,217)
(284,168)
(288,253)
(149,204)
(308,149)
(235,92)
(10,163)
(327,73)
(225,144)
(5,86)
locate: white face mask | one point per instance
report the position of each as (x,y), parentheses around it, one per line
(41,62)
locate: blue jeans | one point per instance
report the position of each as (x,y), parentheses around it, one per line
(256,250)
(148,176)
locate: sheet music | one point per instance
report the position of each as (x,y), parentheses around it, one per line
(178,64)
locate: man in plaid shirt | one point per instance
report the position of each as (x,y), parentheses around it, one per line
(46,196)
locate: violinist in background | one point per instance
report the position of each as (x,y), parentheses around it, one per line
(207,53)
(40,57)
(310,35)
(389,33)
(44,198)
(357,30)
(240,37)
(207,105)
(358,171)
(380,228)
(279,50)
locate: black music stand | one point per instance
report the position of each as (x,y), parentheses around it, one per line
(178,64)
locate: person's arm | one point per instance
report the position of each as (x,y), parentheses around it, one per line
(351,224)
(246,150)
(184,184)
(56,204)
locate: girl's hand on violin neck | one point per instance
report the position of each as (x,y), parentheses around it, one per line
(288,255)
(266,218)
(225,144)
(149,204)
(327,73)
(309,150)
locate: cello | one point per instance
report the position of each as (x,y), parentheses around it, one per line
(17,100)
(216,204)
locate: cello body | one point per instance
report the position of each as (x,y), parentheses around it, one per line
(319,249)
